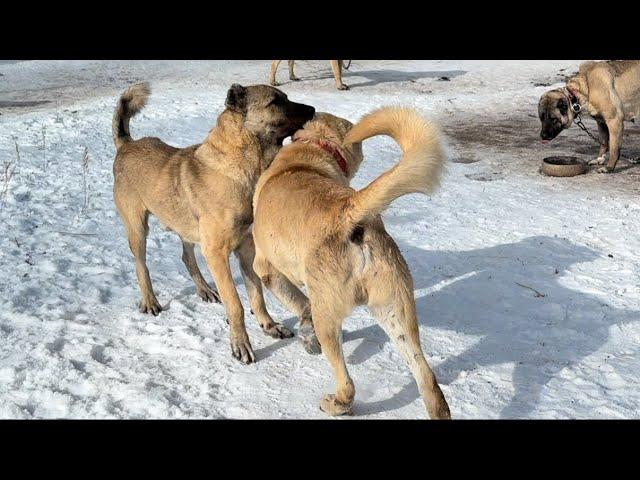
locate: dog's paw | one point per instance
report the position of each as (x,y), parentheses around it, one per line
(437,406)
(150,305)
(309,340)
(294,79)
(343,86)
(241,350)
(208,294)
(605,169)
(275,84)
(598,161)
(277,330)
(331,406)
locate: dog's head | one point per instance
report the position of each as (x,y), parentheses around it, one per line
(267,111)
(555,113)
(327,127)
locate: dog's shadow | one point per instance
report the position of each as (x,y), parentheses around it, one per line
(477,293)
(376,77)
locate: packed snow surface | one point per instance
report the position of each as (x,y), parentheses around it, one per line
(528,287)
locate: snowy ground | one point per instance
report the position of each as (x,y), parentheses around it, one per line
(72,343)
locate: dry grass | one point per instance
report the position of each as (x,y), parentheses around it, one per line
(44,149)
(8,172)
(85,172)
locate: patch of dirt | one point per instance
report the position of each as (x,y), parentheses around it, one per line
(485,176)
(524,132)
(23,104)
(515,144)
(466,159)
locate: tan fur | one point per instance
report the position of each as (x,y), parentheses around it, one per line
(609,92)
(203,193)
(311,229)
(336,68)
(419,169)
(131,102)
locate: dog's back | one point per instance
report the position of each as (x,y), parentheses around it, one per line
(147,171)
(325,225)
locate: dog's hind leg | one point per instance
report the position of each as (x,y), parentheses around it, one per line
(136,223)
(204,290)
(391,302)
(274,70)
(292,76)
(336,66)
(245,254)
(328,324)
(292,298)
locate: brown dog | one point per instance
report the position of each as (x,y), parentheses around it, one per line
(203,193)
(312,229)
(608,91)
(336,66)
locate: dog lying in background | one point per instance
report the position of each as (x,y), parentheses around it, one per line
(608,91)
(336,66)
(311,229)
(203,193)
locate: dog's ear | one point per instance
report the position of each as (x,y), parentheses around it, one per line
(237,98)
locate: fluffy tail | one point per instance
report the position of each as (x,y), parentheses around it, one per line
(418,171)
(131,102)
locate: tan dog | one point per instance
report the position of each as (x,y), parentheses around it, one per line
(336,66)
(608,91)
(203,193)
(312,229)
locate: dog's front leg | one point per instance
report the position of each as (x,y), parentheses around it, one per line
(204,290)
(245,254)
(603,130)
(292,76)
(616,129)
(336,66)
(274,71)
(218,261)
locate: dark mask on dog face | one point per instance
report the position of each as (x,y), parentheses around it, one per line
(268,112)
(555,114)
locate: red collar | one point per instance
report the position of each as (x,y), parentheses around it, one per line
(333,150)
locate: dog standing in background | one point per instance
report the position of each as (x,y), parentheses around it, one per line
(608,91)
(336,66)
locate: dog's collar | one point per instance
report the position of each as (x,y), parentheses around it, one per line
(332,149)
(573,100)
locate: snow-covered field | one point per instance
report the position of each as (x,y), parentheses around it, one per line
(72,343)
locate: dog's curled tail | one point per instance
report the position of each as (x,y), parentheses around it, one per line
(131,102)
(418,171)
